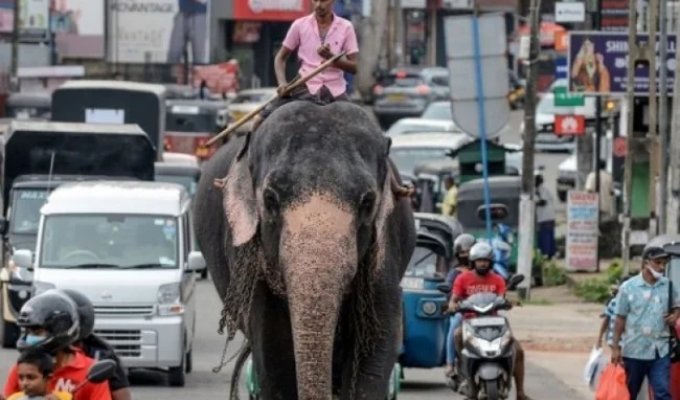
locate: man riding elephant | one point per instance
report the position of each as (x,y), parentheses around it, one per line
(307,243)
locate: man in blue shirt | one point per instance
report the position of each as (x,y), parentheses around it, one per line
(190,26)
(643,320)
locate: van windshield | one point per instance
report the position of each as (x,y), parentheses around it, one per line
(110,241)
(26,204)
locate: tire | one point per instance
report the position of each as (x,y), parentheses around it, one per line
(177,375)
(189,364)
(204,273)
(9,333)
(491,388)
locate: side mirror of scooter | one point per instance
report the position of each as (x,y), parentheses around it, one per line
(101,371)
(515,281)
(444,288)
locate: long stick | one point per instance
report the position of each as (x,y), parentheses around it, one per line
(292,86)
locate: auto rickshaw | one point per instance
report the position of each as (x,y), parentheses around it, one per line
(424,304)
(430,178)
(505,194)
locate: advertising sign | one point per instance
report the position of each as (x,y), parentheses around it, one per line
(34,16)
(570,125)
(582,231)
(271,10)
(157,31)
(78,26)
(219,78)
(614,15)
(571,11)
(598,63)
(6,16)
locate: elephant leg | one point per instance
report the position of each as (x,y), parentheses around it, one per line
(375,369)
(272,345)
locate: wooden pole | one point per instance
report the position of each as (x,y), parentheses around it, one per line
(292,86)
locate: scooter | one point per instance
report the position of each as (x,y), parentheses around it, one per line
(488,354)
(98,373)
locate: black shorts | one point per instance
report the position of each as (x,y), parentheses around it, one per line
(322,97)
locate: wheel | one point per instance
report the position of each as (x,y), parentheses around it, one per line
(176,375)
(204,273)
(491,388)
(189,362)
(9,333)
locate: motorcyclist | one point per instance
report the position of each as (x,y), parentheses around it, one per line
(97,348)
(50,324)
(482,279)
(461,250)
(502,249)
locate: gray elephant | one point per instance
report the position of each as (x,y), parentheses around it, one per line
(307,239)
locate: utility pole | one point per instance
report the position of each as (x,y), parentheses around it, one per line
(674,203)
(527,208)
(663,116)
(15,45)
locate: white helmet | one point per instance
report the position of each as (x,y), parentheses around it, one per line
(481,251)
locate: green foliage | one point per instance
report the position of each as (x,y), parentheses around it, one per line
(597,290)
(615,271)
(553,275)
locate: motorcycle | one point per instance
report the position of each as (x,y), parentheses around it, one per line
(488,355)
(98,373)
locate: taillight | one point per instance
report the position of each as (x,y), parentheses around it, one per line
(378,90)
(423,89)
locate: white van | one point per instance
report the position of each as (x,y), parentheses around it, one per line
(127,247)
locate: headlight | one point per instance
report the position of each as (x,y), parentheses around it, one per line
(429,308)
(169,302)
(468,332)
(41,287)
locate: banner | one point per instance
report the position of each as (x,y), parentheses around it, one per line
(78,26)
(157,31)
(219,78)
(582,231)
(271,10)
(598,63)
(6,16)
(34,17)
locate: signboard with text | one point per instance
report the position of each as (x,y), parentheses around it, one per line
(270,10)
(582,231)
(598,63)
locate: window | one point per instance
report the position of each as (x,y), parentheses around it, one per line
(440,80)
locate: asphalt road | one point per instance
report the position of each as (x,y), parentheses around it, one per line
(203,384)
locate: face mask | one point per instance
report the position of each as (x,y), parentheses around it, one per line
(32,340)
(655,274)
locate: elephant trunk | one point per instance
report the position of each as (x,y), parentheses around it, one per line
(319,258)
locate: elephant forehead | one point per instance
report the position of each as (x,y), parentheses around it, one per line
(318,211)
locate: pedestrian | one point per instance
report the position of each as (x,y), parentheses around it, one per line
(316,38)
(34,369)
(643,317)
(189,27)
(451,197)
(545,218)
(609,317)
(606,194)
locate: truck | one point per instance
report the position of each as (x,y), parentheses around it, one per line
(113,102)
(39,157)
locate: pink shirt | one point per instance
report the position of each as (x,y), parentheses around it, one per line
(303,35)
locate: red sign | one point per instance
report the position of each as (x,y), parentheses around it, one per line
(220,78)
(573,125)
(620,147)
(271,10)
(561,41)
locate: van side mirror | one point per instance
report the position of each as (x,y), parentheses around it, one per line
(4,226)
(23,258)
(196,261)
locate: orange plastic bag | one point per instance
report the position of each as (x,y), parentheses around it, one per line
(612,384)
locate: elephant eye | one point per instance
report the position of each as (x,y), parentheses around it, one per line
(366,205)
(271,202)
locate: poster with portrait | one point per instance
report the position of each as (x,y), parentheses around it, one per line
(598,63)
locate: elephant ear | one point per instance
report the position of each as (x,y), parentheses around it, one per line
(384,211)
(239,200)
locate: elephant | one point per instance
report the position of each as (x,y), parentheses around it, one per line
(307,240)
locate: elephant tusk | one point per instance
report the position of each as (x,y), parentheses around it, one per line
(219,183)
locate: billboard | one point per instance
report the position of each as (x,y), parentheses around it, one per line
(271,10)
(157,31)
(34,17)
(598,63)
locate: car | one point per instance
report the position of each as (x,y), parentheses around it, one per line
(418,125)
(442,111)
(566,177)
(408,91)
(247,101)
(409,151)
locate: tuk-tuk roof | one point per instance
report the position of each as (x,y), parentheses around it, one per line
(158,90)
(438,167)
(448,228)
(500,186)
(670,242)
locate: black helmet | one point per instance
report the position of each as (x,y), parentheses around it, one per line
(653,251)
(85,312)
(57,314)
(464,242)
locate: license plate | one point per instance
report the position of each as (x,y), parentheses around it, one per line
(396,97)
